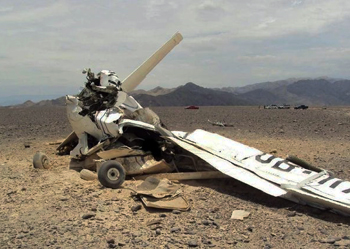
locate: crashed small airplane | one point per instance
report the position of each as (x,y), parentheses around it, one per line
(114,135)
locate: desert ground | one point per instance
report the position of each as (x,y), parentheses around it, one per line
(54,208)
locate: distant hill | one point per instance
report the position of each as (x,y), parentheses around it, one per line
(53,102)
(191,94)
(19,99)
(319,91)
(154,92)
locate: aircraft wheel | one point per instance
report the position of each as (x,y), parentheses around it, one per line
(40,161)
(111,174)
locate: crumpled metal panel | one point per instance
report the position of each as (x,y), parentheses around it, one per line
(232,170)
(274,176)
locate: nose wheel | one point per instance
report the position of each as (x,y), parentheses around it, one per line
(41,161)
(111,174)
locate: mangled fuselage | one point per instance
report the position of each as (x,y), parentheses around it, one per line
(109,125)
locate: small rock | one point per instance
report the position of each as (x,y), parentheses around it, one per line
(11,192)
(155,227)
(158,232)
(101,209)
(112,245)
(342,243)
(205,222)
(110,241)
(206,242)
(162,215)
(192,243)
(176,212)
(292,214)
(136,234)
(154,221)
(88,216)
(330,240)
(137,240)
(231,242)
(175,229)
(191,232)
(20,236)
(136,208)
(215,223)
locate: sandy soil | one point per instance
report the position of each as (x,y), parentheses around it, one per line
(45,208)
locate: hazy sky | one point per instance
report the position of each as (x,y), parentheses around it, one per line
(45,44)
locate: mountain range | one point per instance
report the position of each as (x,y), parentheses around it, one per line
(320,92)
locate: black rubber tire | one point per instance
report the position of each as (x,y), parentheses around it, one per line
(41,161)
(111,174)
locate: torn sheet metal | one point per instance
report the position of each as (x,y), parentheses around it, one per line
(161,193)
(231,169)
(201,175)
(177,203)
(275,176)
(137,165)
(120,152)
(158,188)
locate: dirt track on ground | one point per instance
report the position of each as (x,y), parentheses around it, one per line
(44,208)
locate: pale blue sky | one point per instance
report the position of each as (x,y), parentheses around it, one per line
(46,44)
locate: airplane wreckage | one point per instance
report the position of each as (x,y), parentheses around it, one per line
(115,136)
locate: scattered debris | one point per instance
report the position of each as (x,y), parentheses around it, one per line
(186,175)
(222,124)
(239,214)
(163,194)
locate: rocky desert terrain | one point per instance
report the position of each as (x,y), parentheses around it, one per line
(54,208)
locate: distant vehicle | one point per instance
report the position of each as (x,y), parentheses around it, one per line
(192,107)
(301,107)
(270,107)
(284,106)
